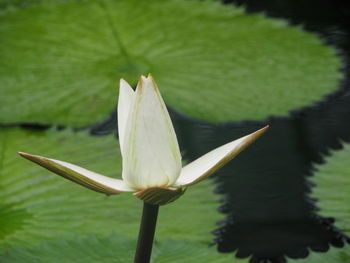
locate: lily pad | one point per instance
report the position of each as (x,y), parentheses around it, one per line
(114,249)
(333,255)
(11,3)
(332,191)
(43,206)
(60,61)
(333,188)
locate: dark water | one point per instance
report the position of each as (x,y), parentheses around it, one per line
(265,190)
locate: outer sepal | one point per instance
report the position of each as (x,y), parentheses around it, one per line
(160,195)
(79,175)
(209,163)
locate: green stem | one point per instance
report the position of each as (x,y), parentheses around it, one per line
(146,234)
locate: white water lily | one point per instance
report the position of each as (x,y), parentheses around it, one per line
(152,165)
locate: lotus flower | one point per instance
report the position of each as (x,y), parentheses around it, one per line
(152,166)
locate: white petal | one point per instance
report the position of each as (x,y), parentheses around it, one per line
(215,159)
(151,152)
(79,175)
(125,102)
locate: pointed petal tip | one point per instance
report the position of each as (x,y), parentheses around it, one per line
(140,84)
(147,83)
(28,155)
(266,127)
(23,154)
(250,138)
(259,132)
(122,82)
(149,77)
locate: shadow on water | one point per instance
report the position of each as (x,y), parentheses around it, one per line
(265,189)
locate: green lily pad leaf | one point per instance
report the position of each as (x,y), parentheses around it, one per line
(60,61)
(11,219)
(334,255)
(332,191)
(114,249)
(43,206)
(333,188)
(10,3)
